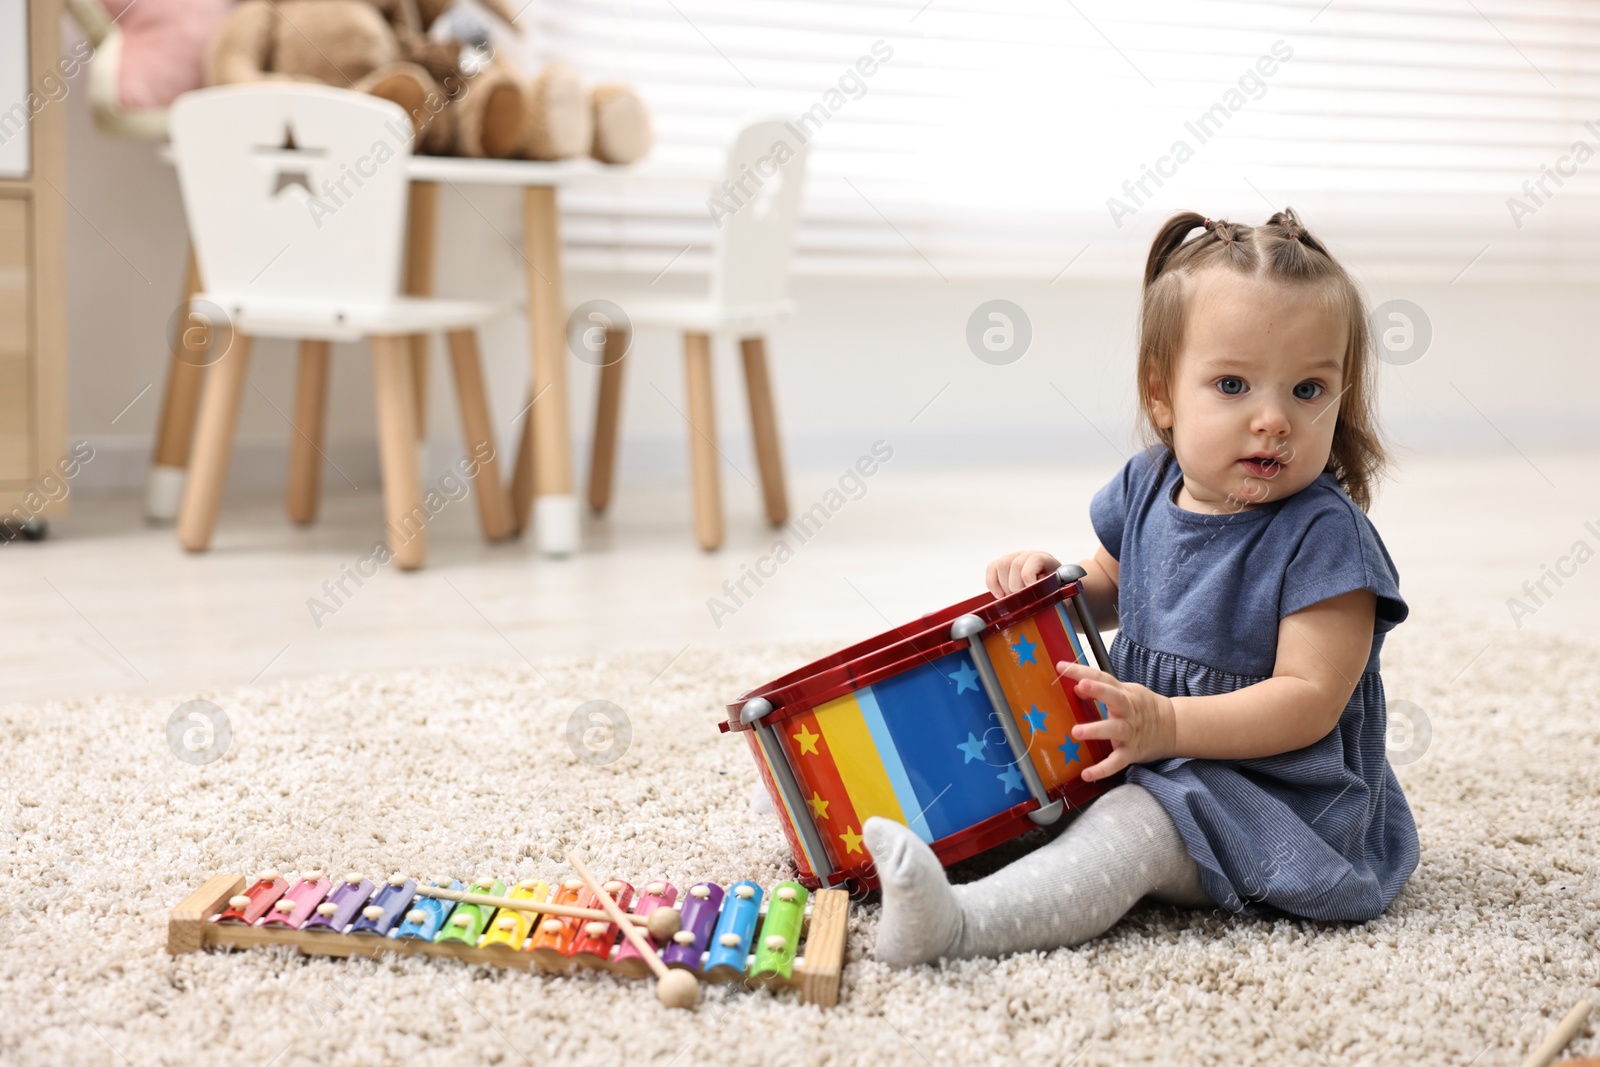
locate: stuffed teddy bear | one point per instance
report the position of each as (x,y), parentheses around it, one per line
(436,61)
(560,120)
(379,48)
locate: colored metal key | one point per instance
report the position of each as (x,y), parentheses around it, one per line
(699,914)
(509,928)
(729,948)
(335,914)
(387,907)
(595,939)
(553,935)
(656,895)
(467,923)
(298,903)
(427,915)
(255,901)
(780,932)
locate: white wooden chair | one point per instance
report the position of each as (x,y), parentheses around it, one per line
(296,202)
(749,295)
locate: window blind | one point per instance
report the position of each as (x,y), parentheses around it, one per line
(1430,138)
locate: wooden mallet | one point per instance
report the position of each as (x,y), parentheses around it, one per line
(661,928)
(675,988)
(543,907)
(1564,1032)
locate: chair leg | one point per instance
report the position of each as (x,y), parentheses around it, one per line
(186,374)
(703,440)
(522,472)
(494,502)
(418,345)
(310,420)
(422,225)
(764,424)
(603,452)
(403,512)
(213,446)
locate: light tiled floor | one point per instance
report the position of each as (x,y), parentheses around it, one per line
(109,604)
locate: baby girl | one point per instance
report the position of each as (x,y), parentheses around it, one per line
(1251,595)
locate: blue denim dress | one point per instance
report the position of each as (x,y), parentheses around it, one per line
(1322,832)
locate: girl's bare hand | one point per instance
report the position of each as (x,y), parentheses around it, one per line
(1017,569)
(1140,724)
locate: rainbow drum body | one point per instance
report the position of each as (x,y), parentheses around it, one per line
(955,725)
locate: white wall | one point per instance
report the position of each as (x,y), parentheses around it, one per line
(864,358)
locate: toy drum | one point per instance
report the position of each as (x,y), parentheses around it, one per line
(955,725)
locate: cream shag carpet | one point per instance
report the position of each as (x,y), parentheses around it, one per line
(468,771)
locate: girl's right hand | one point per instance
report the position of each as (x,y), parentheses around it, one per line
(1017,569)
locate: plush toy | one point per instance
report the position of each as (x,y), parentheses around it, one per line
(436,61)
(144,54)
(622,131)
(560,120)
(380,48)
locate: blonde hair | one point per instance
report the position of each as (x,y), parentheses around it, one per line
(1280,251)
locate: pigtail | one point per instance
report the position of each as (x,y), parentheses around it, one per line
(1172,236)
(1290,253)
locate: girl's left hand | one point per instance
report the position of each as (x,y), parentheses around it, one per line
(1141,723)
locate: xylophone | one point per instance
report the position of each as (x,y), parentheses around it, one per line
(709,932)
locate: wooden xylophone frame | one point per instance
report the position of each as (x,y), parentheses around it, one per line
(190,928)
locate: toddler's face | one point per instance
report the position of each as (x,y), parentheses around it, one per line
(1259,374)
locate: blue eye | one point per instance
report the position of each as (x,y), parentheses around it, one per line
(1312,385)
(1223,385)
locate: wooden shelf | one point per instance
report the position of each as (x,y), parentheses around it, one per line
(33,351)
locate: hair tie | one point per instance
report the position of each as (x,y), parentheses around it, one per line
(1290,223)
(1209,225)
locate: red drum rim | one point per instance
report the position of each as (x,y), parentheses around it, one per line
(876,658)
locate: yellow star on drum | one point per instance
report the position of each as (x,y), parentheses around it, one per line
(851,839)
(808,740)
(819,805)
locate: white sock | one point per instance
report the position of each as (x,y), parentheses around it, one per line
(921,920)
(1067,891)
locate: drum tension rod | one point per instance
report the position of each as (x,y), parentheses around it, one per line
(970,629)
(753,715)
(1069,573)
